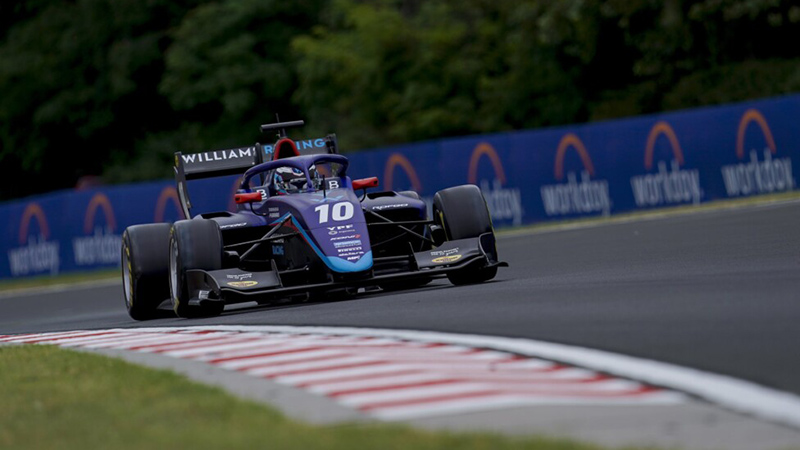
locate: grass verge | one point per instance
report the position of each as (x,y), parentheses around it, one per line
(61,399)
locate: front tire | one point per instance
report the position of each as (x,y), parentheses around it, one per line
(462,212)
(193,244)
(145,269)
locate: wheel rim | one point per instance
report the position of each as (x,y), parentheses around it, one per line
(173,272)
(126,277)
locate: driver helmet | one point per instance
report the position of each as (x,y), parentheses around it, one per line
(288,180)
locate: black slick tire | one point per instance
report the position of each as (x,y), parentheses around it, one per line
(145,269)
(193,244)
(462,212)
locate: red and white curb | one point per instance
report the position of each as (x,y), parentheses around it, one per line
(387,377)
(403,374)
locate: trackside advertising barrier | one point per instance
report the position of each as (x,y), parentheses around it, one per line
(680,158)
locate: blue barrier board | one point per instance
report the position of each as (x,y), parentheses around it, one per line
(677,158)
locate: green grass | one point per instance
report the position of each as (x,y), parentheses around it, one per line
(61,399)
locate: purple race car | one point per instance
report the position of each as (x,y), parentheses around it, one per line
(302,230)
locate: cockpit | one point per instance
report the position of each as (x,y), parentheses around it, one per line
(290,179)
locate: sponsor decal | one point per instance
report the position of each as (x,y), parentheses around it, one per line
(277,250)
(670,184)
(103,247)
(219,155)
(667,186)
(239,276)
(349,243)
(353,258)
(273,209)
(397,159)
(301,145)
(332,184)
(397,205)
(444,252)
(351,254)
(349,251)
(232,225)
(333,231)
(575,197)
(274,215)
(503,203)
(351,236)
(446,259)
(757,177)
(241,284)
(100,245)
(36,254)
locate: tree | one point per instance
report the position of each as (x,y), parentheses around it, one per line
(117,86)
(230,67)
(79,83)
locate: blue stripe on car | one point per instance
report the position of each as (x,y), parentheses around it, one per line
(333,262)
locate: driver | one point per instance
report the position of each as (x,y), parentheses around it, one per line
(289,180)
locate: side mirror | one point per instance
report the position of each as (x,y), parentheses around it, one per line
(364,183)
(247,197)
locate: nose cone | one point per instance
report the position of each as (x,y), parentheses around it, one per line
(346,247)
(336,228)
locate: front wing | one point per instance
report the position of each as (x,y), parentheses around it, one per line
(236,285)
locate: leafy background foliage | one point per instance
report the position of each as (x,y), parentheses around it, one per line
(112,88)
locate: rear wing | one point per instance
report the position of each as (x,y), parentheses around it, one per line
(235,161)
(317,146)
(328,144)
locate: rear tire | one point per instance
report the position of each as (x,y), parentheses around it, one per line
(462,212)
(145,269)
(193,244)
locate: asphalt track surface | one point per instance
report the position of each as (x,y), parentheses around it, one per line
(717,291)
